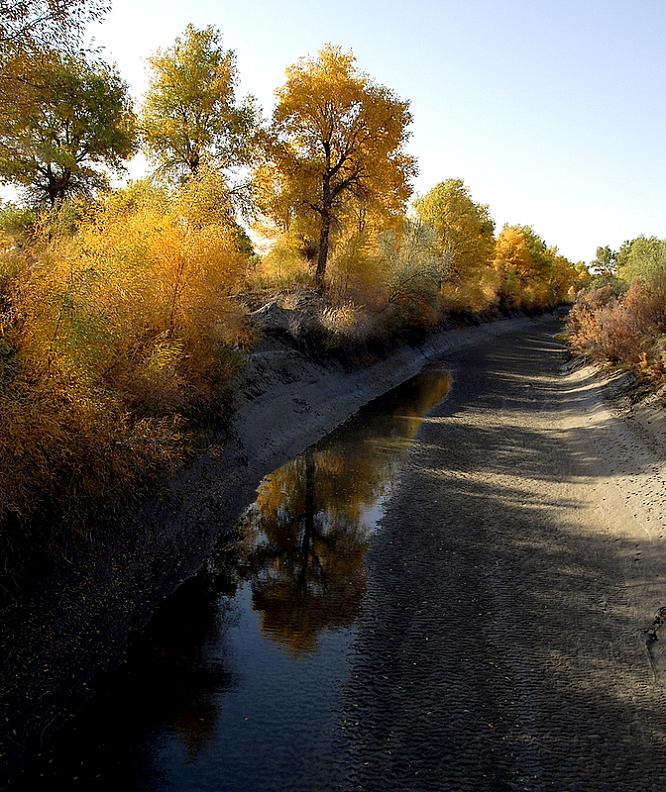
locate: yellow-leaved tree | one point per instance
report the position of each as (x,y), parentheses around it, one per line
(118,331)
(192,117)
(465,241)
(337,150)
(513,264)
(530,274)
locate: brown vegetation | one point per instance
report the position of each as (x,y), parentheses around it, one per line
(628,329)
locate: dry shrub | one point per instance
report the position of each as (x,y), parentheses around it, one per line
(628,330)
(354,272)
(394,277)
(412,268)
(583,325)
(475,295)
(379,285)
(347,324)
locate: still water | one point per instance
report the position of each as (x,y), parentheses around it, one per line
(236,684)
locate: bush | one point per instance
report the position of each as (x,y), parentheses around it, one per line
(118,329)
(627,329)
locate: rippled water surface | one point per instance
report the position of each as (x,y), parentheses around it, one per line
(236,683)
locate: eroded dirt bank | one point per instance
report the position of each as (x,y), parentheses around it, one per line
(77,622)
(508,638)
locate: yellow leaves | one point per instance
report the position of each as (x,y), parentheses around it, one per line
(284,266)
(355,270)
(511,250)
(337,149)
(465,234)
(530,274)
(116,325)
(204,200)
(191,115)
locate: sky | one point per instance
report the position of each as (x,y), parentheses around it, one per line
(552,111)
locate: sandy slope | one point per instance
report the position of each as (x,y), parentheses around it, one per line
(504,643)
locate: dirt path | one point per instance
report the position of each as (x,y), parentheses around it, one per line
(520,564)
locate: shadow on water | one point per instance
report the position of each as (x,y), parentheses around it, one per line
(236,682)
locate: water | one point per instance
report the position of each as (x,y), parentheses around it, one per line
(236,684)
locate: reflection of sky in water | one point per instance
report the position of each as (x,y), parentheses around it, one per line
(235,685)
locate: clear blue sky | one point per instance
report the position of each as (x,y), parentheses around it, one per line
(552,111)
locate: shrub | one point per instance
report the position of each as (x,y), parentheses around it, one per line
(627,330)
(118,329)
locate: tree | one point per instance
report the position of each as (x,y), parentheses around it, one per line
(531,274)
(80,122)
(465,233)
(338,145)
(513,263)
(191,114)
(642,258)
(29,31)
(605,262)
(39,25)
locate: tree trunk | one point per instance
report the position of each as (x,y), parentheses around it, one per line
(322,256)
(308,532)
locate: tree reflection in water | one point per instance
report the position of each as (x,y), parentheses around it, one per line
(308,531)
(197,670)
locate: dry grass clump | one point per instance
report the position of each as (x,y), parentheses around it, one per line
(347,323)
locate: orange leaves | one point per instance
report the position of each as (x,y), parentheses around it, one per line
(530,274)
(338,148)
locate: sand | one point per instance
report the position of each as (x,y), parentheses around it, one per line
(508,638)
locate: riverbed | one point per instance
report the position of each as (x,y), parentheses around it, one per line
(236,682)
(470,598)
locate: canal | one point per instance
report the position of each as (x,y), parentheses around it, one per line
(236,683)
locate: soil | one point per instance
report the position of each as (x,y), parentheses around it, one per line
(512,634)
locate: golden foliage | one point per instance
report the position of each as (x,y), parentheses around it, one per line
(119,316)
(191,115)
(530,274)
(465,241)
(338,149)
(111,335)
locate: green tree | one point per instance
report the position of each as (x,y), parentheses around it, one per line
(192,116)
(605,261)
(29,31)
(338,146)
(80,124)
(642,258)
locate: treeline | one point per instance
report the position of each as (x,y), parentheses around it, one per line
(621,316)
(124,311)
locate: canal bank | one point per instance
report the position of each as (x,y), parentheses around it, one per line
(78,623)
